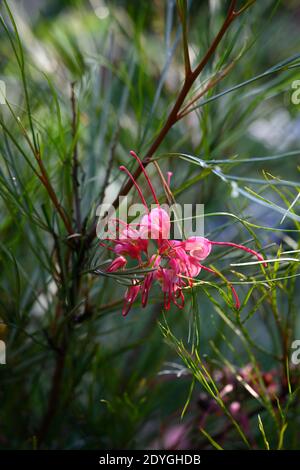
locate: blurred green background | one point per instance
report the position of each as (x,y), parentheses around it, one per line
(124,383)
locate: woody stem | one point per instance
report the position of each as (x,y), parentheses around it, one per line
(190,78)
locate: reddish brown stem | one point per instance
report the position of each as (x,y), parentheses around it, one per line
(188,82)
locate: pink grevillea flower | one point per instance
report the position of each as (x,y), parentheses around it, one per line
(172,264)
(198,247)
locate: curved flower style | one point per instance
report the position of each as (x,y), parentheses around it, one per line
(173,264)
(155,225)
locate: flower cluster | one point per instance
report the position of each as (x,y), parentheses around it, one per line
(173,264)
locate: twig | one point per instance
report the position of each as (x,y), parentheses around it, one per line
(188,82)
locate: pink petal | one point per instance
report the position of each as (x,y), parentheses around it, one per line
(118,263)
(199,247)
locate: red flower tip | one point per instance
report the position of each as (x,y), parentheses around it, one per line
(118,263)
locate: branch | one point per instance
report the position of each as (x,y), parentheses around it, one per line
(42,175)
(211,84)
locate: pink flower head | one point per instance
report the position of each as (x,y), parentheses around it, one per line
(172,264)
